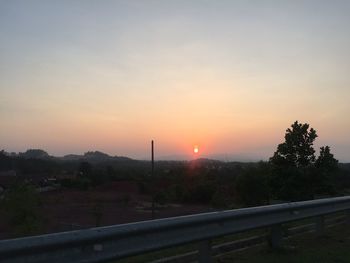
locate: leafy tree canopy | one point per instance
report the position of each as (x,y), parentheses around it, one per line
(326,160)
(297,150)
(295,173)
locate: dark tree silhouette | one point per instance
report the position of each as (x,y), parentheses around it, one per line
(5,161)
(326,160)
(326,169)
(252,185)
(292,164)
(297,150)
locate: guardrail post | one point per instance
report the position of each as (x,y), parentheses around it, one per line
(320,225)
(204,251)
(276,236)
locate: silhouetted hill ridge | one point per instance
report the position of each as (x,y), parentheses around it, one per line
(95,156)
(35,154)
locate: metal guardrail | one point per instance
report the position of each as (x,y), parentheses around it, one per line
(114,242)
(256,239)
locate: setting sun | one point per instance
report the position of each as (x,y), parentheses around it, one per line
(195,149)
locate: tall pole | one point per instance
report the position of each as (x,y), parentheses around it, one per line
(152,179)
(152,145)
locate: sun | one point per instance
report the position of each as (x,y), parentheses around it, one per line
(196,149)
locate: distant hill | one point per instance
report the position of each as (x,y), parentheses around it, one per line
(71,157)
(35,154)
(98,156)
(205,161)
(94,156)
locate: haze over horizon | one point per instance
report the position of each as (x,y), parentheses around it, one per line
(228,76)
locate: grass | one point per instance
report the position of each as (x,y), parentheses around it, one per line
(333,246)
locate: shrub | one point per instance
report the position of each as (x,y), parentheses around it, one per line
(22,203)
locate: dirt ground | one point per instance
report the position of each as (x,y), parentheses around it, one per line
(114,203)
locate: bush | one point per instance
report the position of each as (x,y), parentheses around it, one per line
(252,186)
(22,203)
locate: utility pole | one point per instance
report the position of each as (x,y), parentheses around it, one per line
(152,145)
(152,179)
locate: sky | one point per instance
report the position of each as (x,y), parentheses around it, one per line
(227,76)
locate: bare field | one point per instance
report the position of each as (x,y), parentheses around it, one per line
(113,203)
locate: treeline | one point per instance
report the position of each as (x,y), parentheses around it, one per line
(294,172)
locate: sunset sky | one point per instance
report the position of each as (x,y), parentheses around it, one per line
(227,76)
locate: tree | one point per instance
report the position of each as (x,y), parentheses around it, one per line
(326,166)
(326,160)
(252,185)
(292,164)
(297,150)
(5,161)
